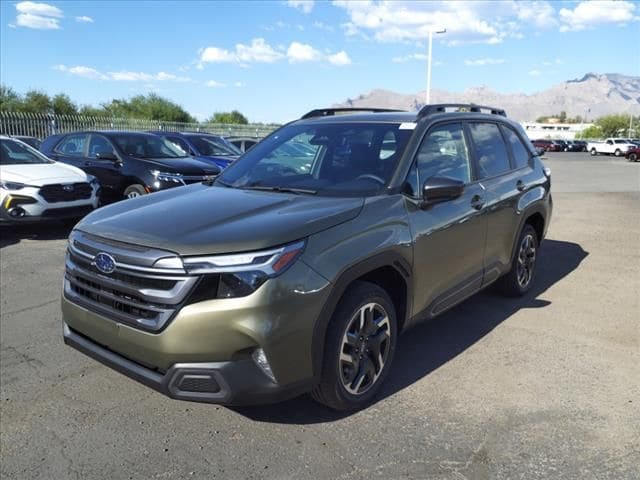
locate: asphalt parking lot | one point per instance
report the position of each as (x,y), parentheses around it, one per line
(547,386)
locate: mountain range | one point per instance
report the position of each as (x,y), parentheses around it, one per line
(590,97)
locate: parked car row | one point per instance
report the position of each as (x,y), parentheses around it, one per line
(560,145)
(79,171)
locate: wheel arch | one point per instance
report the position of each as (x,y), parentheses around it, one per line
(389,270)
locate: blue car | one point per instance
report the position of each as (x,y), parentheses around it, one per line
(204,147)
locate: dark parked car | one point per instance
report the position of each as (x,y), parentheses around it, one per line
(581,145)
(31,141)
(633,154)
(305,279)
(244,144)
(203,146)
(548,145)
(128,164)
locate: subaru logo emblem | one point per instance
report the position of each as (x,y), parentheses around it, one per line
(104,262)
(67,188)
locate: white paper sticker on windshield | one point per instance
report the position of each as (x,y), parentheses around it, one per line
(407,126)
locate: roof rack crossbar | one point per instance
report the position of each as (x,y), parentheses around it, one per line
(326,112)
(471,107)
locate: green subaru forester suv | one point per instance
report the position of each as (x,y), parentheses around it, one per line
(297,268)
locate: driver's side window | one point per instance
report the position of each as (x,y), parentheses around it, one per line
(444,153)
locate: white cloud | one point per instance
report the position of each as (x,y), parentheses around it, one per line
(535,73)
(215,84)
(40,16)
(84,19)
(259,51)
(591,13)
(42,9)
(341,58)
(322,26)
(465,21)
(300,52)
(412,56)
(82,71)
(306,6)
(122,76)
(238,84)
(481,62)
(36,21)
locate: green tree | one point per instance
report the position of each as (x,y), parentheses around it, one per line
(591,132)
(36,101)
(613,125)
(9,99)
(562,117)
(234,117)
(151,107)
(62,105)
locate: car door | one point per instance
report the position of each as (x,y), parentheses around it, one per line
(107,171)
(503,166)
(72,150)
(449,237)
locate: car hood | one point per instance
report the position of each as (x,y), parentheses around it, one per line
(228,159)
(42,173)
(200,219)
(183,165)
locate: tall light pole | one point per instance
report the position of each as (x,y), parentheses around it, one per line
(431,32)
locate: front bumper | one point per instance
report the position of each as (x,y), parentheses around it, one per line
(36,209)
(237,382)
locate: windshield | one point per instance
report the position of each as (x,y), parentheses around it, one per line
(16,153)
(213,146)
(338,159)
(147,146)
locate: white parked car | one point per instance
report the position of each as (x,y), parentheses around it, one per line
(34,187)
(611,146)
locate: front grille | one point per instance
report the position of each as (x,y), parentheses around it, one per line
(137,295)
(189,179)
(66,193)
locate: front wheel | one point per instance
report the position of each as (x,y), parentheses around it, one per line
(594,152)
(359,347)
(633,157)
(617,153)
(520,278)
(133,191)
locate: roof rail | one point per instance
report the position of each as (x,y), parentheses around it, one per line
(326,112)
(471,107)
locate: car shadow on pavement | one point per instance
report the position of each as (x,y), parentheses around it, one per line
(432,344)
(12,234)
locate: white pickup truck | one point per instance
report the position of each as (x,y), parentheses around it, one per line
(611,146)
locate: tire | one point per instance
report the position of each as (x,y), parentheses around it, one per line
(518,281)
(133,191)
(633,157)
(617,153)
(351,376)
(594,152)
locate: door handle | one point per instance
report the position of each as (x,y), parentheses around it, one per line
(477,202)
(520,186)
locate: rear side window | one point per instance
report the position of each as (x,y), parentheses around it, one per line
(490,149)
(180,143)
(520,152)
(72,145)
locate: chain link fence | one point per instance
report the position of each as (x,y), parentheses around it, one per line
(41,125)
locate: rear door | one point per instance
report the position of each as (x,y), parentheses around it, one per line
(72,150)
(449,237)
(503,164)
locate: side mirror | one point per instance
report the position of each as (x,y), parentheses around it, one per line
(441,189)
(107,156)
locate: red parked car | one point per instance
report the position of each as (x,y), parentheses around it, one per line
(548,145)
(633,154)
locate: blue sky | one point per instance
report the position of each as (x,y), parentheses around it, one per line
(275,60)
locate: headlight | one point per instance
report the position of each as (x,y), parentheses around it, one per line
(167,177)
(237,275)
(13,185)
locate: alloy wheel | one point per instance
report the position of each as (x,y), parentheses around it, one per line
(133,195)
(526,260)
(365,348)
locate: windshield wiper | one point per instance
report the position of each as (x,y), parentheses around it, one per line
(280,189)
